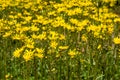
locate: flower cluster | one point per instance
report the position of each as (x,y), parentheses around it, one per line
(48,27)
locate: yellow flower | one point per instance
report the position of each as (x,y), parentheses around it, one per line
(28,18)
(7,34)
(40,50)
(62,9)
(7,76)
(29,43)
(62,37)
(34,28)
(17,52)
(117,20)
(18,37)
(25,28)
(74,21)
(99,46)
(116,40)
(63,47)
(72,53)
(42,36)
(110,30)
(84,38)
(28,55)
(11,16)
(53,35)
(96,34)
(51,13)
(39,55)
(53,44)
(34,36)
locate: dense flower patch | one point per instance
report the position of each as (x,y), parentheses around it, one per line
(68,30)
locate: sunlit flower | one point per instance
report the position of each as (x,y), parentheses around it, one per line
(29,43)
(41,25)
(99,46)
(28,55)
(84,38)
(116,40)
(53,44)
(39,55)
(39,50)
(34,28)
(63,47)
(18,52)
(72,53)
(7,34)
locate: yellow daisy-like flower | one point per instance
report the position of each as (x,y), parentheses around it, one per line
(53,44)
(116,40)
(34,28)
(28,55)
(39,50)
(63,47)
(7,34)
(84,38)
(17,52)
(39,55)
(72,53)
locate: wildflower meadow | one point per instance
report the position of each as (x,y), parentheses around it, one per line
(59,40)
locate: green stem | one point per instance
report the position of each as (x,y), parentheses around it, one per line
(35,69)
